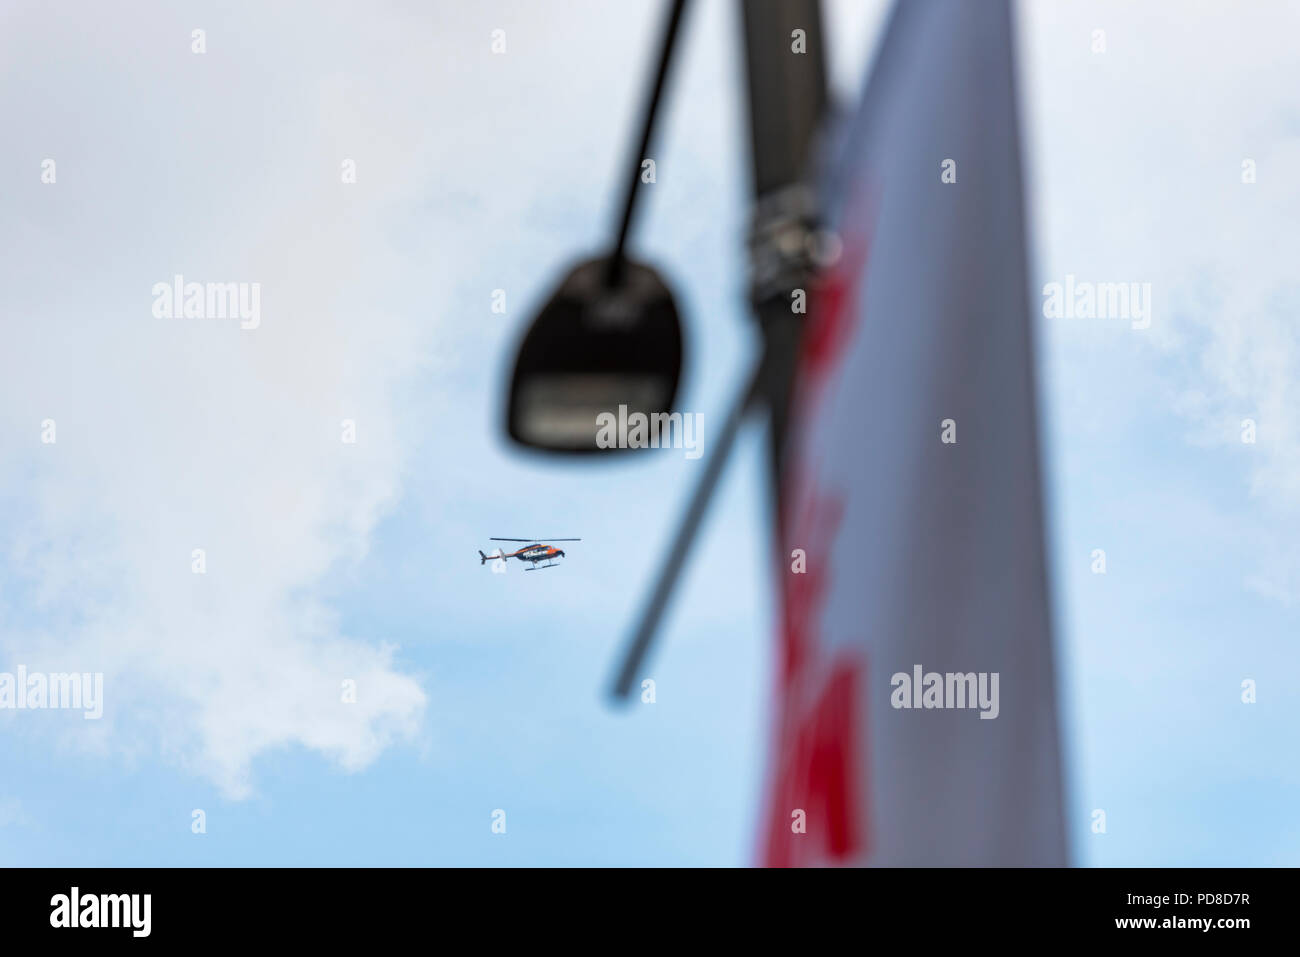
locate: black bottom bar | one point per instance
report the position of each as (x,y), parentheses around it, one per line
(333,907)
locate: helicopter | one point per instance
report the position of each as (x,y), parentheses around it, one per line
(534,553)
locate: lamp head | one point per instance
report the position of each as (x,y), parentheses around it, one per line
(604,339)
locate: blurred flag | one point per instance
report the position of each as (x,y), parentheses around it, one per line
(916,719)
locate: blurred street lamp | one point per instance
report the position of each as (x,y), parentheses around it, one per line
(609,336)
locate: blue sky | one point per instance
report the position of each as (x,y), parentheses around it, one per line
(480,691)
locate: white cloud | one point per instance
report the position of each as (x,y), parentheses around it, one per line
(1136,156)
(176,434)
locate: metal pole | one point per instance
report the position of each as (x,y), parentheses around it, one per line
(671,568)
(666,47)
(786,68)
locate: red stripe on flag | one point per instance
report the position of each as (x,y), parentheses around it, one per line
(819,777)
